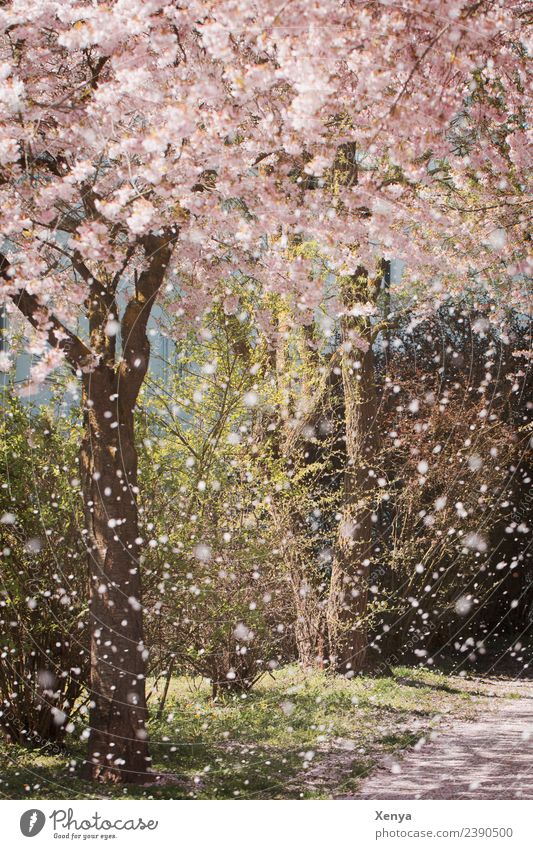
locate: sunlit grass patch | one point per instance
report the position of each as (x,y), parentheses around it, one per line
(296,735)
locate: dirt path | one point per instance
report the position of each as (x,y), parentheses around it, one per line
(490,757)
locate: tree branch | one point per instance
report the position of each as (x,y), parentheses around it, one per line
(59,337)
(135,342)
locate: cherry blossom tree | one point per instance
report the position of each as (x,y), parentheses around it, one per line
(150,149)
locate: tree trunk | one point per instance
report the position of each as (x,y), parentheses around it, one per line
(290,444)
(308,622)
(168,678)
(308,632)
(347,603)
(118,742)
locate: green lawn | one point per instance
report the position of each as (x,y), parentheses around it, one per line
(295,736)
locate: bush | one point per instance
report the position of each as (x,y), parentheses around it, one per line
(216,599)
(43,629)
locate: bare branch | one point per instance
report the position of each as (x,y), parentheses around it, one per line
(59,337)
(136,345)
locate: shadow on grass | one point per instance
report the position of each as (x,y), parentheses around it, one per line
(194,770)
(444,688)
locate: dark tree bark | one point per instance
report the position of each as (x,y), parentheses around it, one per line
(118,742)
(347,603)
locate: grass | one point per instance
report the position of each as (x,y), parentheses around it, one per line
(296,735)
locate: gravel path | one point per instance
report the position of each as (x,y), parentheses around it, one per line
(490,757)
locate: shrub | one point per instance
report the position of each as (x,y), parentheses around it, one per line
(43,577)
